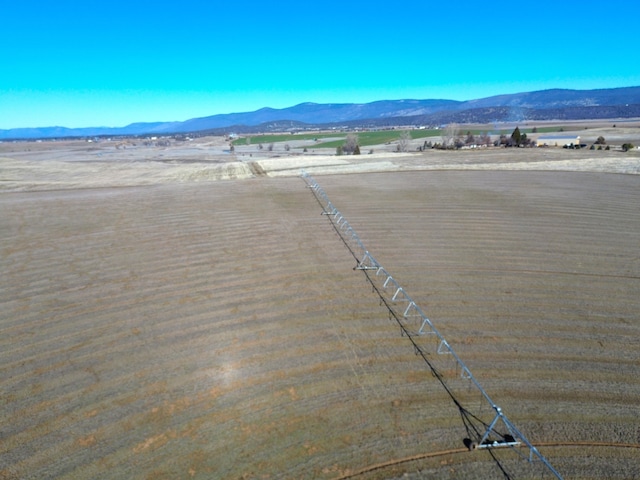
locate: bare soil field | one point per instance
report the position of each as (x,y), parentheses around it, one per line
(197,317)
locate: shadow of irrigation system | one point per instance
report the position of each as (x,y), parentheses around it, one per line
(492,433)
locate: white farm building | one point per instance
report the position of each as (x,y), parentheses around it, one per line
(557,140)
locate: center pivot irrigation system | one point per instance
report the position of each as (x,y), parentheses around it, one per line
(409,315)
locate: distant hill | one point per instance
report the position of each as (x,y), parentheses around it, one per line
(318,113)
(554,104)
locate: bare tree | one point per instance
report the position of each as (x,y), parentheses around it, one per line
(471,138)
(404,141)
(450,135)
(485,139)
(350,143)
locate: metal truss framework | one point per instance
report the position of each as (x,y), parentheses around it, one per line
(409,316)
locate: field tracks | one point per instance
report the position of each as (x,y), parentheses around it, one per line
(458,451)
(216,330)
(483,434)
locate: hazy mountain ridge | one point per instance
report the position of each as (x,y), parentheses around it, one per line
(553,104)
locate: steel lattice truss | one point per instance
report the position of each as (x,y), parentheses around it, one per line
(416,326)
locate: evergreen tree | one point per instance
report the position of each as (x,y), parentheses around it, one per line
(516,137)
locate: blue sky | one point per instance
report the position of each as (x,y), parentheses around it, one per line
(110,63)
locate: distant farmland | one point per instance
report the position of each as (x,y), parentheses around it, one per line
(371,138)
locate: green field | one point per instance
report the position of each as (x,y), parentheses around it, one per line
(364,138)
(381,137)
(371,138)
(278,137)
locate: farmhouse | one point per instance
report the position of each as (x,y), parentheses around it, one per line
(557,141)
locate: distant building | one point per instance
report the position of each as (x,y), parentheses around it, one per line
(557,140)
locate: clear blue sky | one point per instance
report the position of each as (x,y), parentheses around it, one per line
(113,62)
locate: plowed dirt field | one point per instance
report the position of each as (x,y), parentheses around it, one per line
(218,329)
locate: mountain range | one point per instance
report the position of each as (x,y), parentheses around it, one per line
(554,104)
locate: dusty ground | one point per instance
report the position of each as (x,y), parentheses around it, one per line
(191,328)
